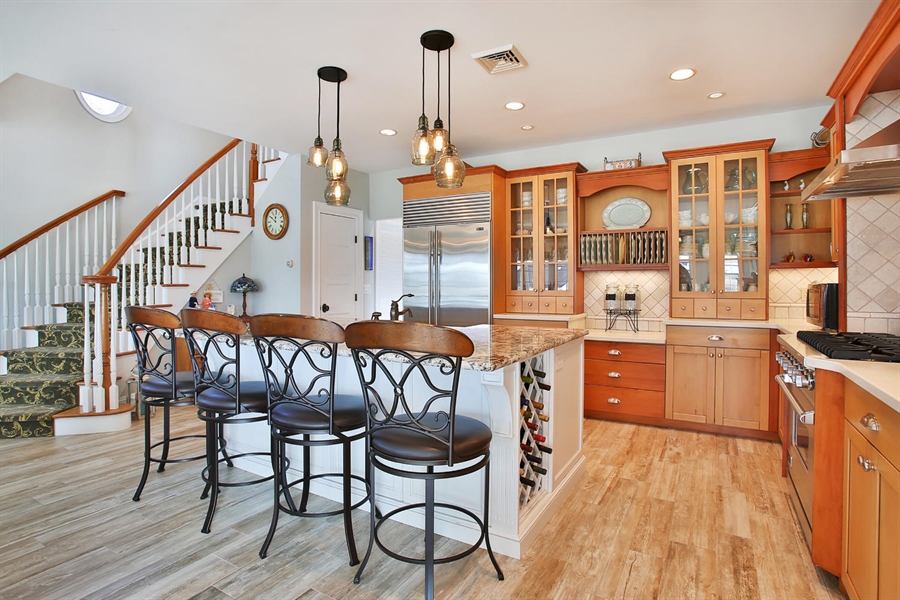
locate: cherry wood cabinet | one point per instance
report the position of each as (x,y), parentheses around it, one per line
(719,239)
(624,381)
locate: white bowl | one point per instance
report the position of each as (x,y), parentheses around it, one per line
(703,219)
(731,218)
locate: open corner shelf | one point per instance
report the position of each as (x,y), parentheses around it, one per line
(817,264)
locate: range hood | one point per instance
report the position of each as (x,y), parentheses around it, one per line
(869,169)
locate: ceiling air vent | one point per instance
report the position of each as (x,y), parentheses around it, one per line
(500,59)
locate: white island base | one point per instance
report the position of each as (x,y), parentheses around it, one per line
(490,389)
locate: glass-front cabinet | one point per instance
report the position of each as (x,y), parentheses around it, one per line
(541,268)
(719,216)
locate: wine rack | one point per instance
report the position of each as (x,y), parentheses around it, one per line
(534,449)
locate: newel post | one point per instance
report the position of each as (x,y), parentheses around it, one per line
(103,383)
(253,176)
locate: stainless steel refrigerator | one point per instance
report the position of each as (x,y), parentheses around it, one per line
(447,260)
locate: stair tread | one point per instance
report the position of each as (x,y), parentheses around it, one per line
(175,285)
(271,160)
(44,350)
(30,412)
(225,230)
(191,265)
(56,327)
(28,378)
(208,247)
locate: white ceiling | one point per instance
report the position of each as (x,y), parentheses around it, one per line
(595,69)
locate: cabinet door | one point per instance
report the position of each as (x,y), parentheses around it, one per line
(557,235)
(694,212)
(888,528)
(742,388)
(522,249)
(690,383)
(741,208)
(860,544)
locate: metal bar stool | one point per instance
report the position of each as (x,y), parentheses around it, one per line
(299,357)
(214,341)
(160,384)
(391,358)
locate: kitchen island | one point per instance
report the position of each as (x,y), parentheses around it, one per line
(491,388)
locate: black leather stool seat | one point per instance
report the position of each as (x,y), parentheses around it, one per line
(253,398)
(349,414)
(155,387)
(471,439)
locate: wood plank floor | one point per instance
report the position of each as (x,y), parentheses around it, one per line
(659,514)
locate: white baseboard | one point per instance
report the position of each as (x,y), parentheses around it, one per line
(91,424)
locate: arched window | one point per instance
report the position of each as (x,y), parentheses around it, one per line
(106,110)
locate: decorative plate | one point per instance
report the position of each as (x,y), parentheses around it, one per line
(626,213)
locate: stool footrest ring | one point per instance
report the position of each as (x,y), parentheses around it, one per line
(331,513)
(437,561)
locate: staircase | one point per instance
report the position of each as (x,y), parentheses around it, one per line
(171,253)
(42,381)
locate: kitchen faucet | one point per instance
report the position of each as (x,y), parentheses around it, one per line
(395,308)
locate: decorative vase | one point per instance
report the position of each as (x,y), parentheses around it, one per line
(788,217)
(804,216)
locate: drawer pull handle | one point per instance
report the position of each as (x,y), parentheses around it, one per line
(529,304)
(682,307)
(614,352)
(513,303)
(613,401)
(715,338)
(614,374)
(720,355)
(711,355)
(546,304)
(564,305)
(727,308)
(703,308)
(865,464)
(752,309)
(870,422)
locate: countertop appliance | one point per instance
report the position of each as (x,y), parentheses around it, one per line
(822,305)
(447,259)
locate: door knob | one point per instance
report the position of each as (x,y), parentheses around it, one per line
(325,308)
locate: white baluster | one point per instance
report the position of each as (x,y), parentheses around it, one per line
(113,346)
(235,170)
(245,171)
(86,396)
(85,267)
(142,289)
(99,392)
(28,314)
(67,290)
(48,301)
(115,223)
(96,241)
(6,337)
(17,328)
(58,295)
(104,234)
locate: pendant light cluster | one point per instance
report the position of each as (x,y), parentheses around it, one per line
(449,169)
(337,192)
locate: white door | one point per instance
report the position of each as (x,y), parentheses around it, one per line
(338,262)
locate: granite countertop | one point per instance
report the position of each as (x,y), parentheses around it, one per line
(497,346)
(882,380)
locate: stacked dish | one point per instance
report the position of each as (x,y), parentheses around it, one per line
(684,218)
(749,215)
(686,248)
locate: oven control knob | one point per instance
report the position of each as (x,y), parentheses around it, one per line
(800,379)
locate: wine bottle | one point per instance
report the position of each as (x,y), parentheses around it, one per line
(544,386)
(525,481)
(543,417)
(526,447)
(527,414)
(527,379)
(534,459)
(539,470)
(544,449)
(538,374)
(537,405)
(531,426)
(538,437)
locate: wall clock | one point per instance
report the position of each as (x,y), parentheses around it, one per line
(275,221)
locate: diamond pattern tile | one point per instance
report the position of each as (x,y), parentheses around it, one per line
(788,286)
(654,291)
(873,233)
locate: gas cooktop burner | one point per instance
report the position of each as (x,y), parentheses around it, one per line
(880,347)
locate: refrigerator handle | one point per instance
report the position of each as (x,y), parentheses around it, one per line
(437,276)
(432,235)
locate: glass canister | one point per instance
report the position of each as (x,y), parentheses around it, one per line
(611,300)
(631,297)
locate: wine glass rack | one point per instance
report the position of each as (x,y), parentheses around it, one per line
(534,451)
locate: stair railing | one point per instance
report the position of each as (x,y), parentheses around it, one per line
(45,267)
(148,259)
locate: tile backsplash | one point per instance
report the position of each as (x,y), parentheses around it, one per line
(873,234)
(787,290)
(654,297)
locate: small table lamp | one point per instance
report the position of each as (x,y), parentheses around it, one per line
(242,285)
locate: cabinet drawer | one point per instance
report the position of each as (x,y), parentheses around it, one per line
(547,305)
(682,307)
(639,376)
(514,304)
(860,406)
(643,403)
(565,306)
(529,304)
(626,351)
(728,309)
(705,308)
(753,309)
(732,337)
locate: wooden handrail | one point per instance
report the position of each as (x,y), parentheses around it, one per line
(59,221)
(117,255)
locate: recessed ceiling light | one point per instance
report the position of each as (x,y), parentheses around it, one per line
(682,74)
(514,106)
(527,127)
(716,95)
(387,132)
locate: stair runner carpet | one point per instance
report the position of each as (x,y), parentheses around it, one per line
(42,381)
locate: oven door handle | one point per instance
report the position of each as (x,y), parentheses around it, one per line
(805,417)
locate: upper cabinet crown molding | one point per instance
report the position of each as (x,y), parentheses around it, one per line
(766,145)
(575,167)
(785,165)
(876,50)
(655,177)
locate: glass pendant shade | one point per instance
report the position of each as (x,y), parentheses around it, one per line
(439,136)
(337,193)
(422,148)
(450,170)
(317,154)
(336,165)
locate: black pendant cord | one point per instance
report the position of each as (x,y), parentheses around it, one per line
(449,95)
(338,135)
(438,86)
(423,80)
(319,117)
